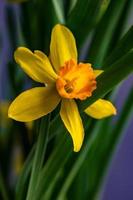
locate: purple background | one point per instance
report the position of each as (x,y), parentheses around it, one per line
(119,184)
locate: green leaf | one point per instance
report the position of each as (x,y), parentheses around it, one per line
(58,8)
(77,165)
(110,78)
(56,126)
(22,184)
(37,21)
(53,166)
(106,144)
(39,156)
(72,4)
(121,26)
(84,16)
(104,32)
(97,152)
(49,192)
(124,45)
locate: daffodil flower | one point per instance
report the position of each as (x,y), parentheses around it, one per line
(64,80)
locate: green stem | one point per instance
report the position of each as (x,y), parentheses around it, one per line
(39,156)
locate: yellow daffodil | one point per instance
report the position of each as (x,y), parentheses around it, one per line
(64,79)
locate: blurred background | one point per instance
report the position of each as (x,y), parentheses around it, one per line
(119,183)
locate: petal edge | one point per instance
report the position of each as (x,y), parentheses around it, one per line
(33,104)
(33,65)
(98,72)
(71,118)
(62,46)
(100,109)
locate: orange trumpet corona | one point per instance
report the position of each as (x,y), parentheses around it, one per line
(76,80)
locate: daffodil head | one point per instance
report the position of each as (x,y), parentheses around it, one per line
(76,80)
(65,80)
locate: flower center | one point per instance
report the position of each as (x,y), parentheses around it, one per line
(76,80)
(68,87)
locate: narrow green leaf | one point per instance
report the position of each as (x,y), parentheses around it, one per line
(103,146)
(105,152)
(77,164)
(121,26)
(37,21)
(72,5)
(124,45)
(49,11)
(21,188)
(22,184)
(56,126)
(39,156)
(49,192)
(102,142)
(81,164)
(58,7)
(55,162)
(104,32)
(110,78)
(84,16)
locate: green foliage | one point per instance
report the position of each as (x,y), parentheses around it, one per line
(51,170)
(84,16)
(105,31)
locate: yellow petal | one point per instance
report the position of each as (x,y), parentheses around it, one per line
(97,72)
(33,104)
(38,68)
(46,63)
(72,120)
(62,47)
(100,109)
